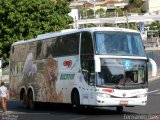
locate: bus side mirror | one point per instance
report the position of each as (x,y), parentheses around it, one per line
(97,64)
(154,67)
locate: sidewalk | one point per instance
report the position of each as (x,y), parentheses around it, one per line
(150,78)
(154,78)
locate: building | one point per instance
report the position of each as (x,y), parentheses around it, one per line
(151,7)
(105,4)
(108,5)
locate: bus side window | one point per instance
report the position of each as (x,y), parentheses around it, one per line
(87,54)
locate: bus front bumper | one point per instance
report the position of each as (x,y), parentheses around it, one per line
(121,101)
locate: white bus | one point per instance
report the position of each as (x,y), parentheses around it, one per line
(98,66)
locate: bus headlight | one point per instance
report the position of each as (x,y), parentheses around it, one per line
(103,95)
(141,96)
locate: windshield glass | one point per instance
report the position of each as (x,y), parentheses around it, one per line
(119,43)
(123,72)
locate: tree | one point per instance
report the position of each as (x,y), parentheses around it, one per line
(135,6)
(25,19)
(136,3)
(119,11)
(155,26)
(101,12)
(90,13)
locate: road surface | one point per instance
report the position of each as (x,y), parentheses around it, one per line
(150,112)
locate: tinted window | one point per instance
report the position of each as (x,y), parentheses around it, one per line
(86,43)
(87,55)
(119,43)
(65,45)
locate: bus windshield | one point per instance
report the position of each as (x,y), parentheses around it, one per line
(122,72)
(118,43)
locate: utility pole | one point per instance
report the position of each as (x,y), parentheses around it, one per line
(94,9)
(126,14)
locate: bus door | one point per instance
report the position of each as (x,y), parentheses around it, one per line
(87,68)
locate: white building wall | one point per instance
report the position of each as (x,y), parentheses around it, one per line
(74,14)
(154,6)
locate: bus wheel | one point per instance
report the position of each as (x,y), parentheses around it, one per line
(119,109)
(32,105)
(24,100)
(76,100)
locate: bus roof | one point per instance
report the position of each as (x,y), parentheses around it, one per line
(69,31)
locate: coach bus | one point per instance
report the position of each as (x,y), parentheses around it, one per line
(99,66)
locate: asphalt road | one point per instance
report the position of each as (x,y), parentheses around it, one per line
(150,112)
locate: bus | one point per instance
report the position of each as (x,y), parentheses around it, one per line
(99,66)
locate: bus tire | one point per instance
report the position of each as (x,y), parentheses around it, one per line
(24,100)
(76,100)
(119,109)
(31,104)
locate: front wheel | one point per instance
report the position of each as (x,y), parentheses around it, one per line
(76,101)
(119,109)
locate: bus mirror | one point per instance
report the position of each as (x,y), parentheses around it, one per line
(154,67)
(97,64)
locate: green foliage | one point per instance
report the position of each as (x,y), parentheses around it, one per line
(90,13)
(110,15)
(100,12)
(134,9)
(135,6)
(155,26)
(136,3)
(119,11)
(25,19)
(83,13)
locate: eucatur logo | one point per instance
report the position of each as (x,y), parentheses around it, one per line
(67,63)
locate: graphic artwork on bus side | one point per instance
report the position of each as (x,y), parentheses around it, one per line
(44,74)
(51,75)
(29,69)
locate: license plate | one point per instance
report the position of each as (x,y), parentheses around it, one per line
(123,102)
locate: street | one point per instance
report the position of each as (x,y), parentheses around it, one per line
(65,112)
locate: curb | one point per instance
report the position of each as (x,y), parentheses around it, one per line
(154,78)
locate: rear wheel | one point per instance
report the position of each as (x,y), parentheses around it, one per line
(32,105)
(24,100)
